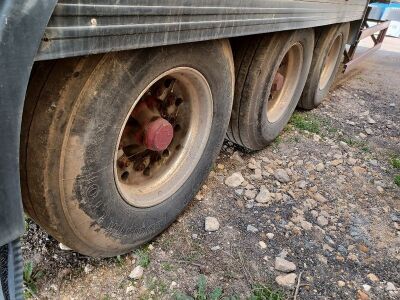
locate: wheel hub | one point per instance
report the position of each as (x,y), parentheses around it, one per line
(163,137)
(158,135)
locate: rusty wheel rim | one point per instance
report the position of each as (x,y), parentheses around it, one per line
(163,137)
(330,63)
(285,83)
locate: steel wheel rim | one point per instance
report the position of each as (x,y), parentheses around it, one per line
(283,89)
(330,63)
(162,178)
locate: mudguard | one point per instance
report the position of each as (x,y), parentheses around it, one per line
(22,24)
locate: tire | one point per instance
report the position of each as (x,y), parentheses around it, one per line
(257,61)
(328,53)
(11,267)
(73,124)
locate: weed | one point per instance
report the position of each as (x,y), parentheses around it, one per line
(143,257)
(261,292)
(395,162)
(278,140)
(30,277)
(119,260)
(26,222)
(166,266)
(397,180)
(357,144)
(157,286)
(201,292)
(305,122)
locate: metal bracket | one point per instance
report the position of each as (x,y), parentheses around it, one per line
(377,33)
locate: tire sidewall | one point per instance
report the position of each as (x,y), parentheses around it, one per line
(98,115)
(265,132)
(312,95)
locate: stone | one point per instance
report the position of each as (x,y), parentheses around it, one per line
(253,164)
(236,156)
(318,197)
(369,131)
(341,283)
(322,221)
(306,225)
(390,286)
(130,289)
(336,162)
(234,180)
(288,280)
(239,192)
(282,176)
(64,247)
(373,277)
(211,224)
(320,167)
(257,174)
(322,259)
(251,228)
(361,295)
(220,166)
(215,248)
(302,184)
(264,196)
(362,135)
(363,248)
(357,170)
(262,244)
(270,235)
(370,120)
(284,265)
(352,161)
(137,273)
(250,194)
(366,287)
(88,268)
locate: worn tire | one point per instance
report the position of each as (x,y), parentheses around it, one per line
(314,93)
(257,59)
(79,105)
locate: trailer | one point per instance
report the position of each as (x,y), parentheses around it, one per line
(113,112)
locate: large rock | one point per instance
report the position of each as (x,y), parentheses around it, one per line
(282,176)
(234,180)
(136,273)
(284,265)
(264,196)
(211,224)
(288,280)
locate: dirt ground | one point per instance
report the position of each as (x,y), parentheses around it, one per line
(329,211)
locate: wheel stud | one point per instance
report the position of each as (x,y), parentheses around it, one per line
(125,175)
(146,171)
(178,102)
(165,153)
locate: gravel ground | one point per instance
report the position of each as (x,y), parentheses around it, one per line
(316,214)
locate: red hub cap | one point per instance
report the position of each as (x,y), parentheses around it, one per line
(158,135)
